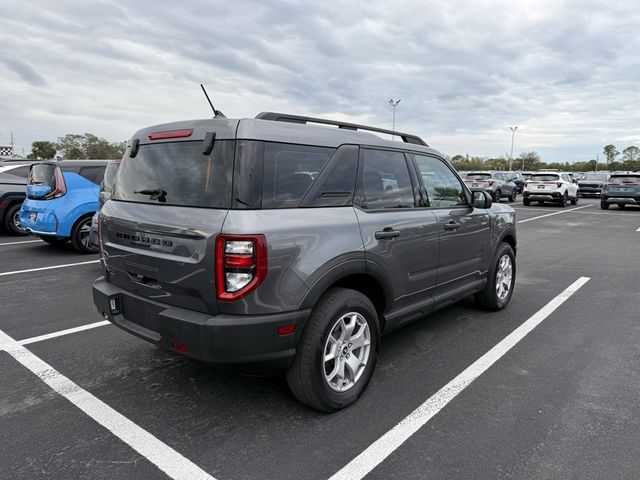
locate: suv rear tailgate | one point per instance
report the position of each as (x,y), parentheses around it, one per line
(165,254)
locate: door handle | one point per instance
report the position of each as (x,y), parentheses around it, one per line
(387,233)
(452,225)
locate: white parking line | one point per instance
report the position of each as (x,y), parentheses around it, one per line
(19,243)
(61,333)
(161,455)
(390,441)
(48,268)
(551,214)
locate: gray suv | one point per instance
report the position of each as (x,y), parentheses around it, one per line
(275,245)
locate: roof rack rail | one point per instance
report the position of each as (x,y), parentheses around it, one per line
(285,117)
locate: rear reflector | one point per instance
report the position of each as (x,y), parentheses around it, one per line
(179,347)
(286,330)
(170,134)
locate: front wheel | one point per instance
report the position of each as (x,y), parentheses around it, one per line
(337,353)
(513,196)
(502,276)
(496,196)
(80,238)
(574,200)
(604,205)
(526,202)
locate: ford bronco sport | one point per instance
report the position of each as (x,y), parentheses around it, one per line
(284,246)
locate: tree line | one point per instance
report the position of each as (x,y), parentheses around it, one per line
(75,146)
(627,160)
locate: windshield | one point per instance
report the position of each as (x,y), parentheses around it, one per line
(625,179)
(595,177)
(177,173)
(42,174)
(478,176)
(536,177)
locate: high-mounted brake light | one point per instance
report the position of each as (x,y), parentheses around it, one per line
(241,265)
(170,134)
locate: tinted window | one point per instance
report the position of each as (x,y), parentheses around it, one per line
(385,181)
(42,174)
(544,178)
(110,173)
(478,176)
(442,186)
(335,186)
(289,172)
(93,174)
(625,179)
(595,177)
(177,173)
(21,172)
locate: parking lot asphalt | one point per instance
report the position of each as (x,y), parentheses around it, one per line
(562,403)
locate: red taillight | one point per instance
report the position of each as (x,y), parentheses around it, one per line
(558,184)
(241,265)
(170,134)
(490,182)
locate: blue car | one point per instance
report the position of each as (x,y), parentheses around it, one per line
(61,199)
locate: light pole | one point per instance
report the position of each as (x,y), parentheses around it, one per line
(394,104)
(513,134)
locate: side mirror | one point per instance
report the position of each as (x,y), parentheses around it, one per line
(481,199)
(38,192)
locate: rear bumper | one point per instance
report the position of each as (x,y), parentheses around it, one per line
(249,341)
(626,200)
(548,196)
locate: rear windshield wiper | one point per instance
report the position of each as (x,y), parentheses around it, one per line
(154,194)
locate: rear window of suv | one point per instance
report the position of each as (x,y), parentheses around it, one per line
(544,178)
(621,179)
(478,176)
(177,173)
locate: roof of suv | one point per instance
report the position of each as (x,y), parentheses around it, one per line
(284,131)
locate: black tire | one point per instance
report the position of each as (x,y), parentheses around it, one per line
(306,377)
(513,196)
(526,202)
(488,298)
(563,200)
(11,220)
(80,238)
(496,196)
(51,240)
(574,200)
(604,205)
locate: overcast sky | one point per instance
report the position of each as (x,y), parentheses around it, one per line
(567,73)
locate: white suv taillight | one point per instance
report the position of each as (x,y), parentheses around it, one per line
(241,265)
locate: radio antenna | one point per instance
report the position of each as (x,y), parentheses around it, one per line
(216,113)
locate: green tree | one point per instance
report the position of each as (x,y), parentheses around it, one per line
(531,160)
(611,152)
(631,153)
(75,146)
(42,150)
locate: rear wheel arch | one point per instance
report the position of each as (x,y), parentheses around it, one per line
(355,275)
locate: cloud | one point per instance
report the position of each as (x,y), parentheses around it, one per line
(563,71)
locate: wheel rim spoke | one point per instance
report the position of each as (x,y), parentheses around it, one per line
(346,351)
(504,276)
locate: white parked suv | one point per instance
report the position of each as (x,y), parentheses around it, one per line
(550,187)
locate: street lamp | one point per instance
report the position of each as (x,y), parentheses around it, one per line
(513,134)
(394,104)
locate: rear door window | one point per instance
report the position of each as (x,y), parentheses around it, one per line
(93,174)
(478,176)
(177,173)
(384,181)
(625,179)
